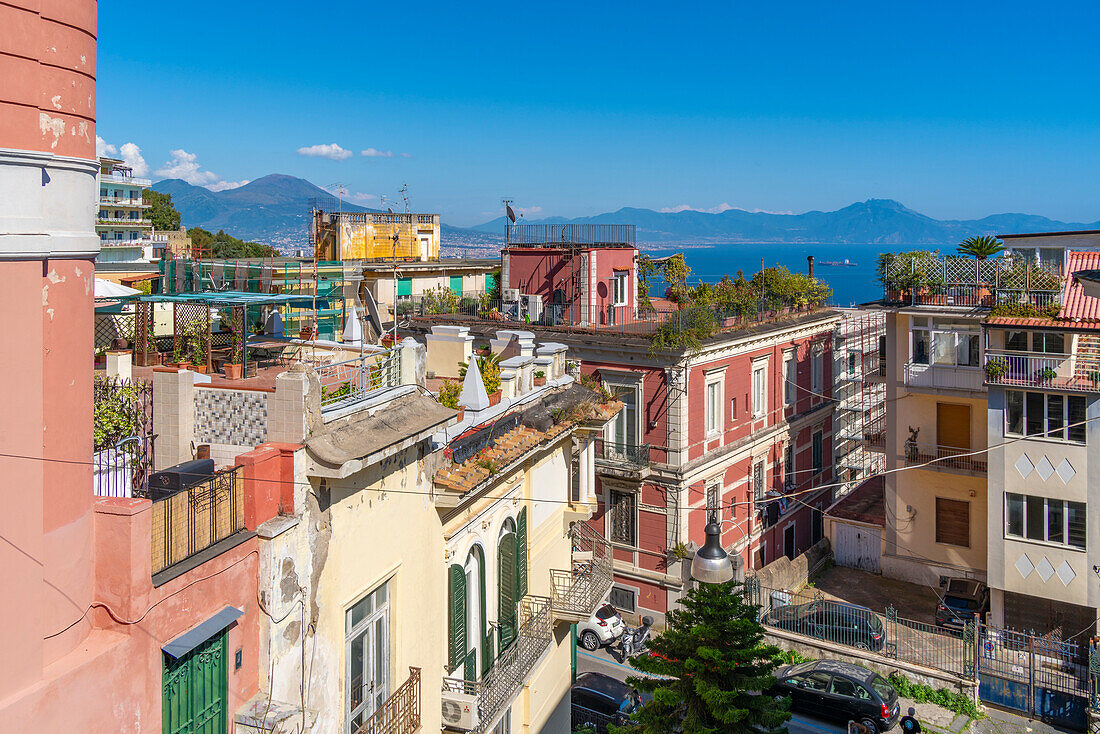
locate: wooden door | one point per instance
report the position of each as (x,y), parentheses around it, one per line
(953,425)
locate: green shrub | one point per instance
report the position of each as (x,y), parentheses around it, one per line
(449,392)
(950,700)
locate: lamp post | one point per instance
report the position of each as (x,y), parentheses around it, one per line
(712,564)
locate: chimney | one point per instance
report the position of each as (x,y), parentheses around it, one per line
(810,265)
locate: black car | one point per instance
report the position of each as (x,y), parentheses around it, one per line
(962,599)
(599,700)
(847,624)
(840,691)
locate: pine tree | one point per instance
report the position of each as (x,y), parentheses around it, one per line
(715,663)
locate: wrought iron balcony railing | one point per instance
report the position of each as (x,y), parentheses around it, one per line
(196,518)
(635,456)
(352,380)
(578,591)
(925,279)
(945,458)
(513,666)
(398,714)
(1042,370)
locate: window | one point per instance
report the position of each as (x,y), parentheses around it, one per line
(817,369)
(759,391)
(623,599)
(1045,519)
(758,480)
(622,432)
(945,342)
(622,517)
(619,286)
(1043,341)
(504,726)
(1046,415)
(953,522)
(368,656)
(790,378)
(788,464)
(713,491)
(714,406)
(817,452)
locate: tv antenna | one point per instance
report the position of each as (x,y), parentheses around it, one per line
(405,196)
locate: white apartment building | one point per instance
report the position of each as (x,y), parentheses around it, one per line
(125,232)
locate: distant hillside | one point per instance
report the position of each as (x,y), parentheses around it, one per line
(275,210)
(875,221)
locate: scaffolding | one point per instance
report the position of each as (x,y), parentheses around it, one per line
(859,376)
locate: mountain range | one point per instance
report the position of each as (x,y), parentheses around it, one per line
(275,210)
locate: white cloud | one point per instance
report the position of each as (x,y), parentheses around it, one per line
(332,151)
(375,153)
(714,209)
(102,148)
(527,210)
(359,197)
(362,198)
(406,155)
(226,185)
(184,165)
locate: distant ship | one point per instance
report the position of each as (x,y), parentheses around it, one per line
(845,263)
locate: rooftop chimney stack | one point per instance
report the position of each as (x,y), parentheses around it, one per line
(810,265)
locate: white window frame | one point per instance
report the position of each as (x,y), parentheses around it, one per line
(790,378)
(618,383)
(759,389)
(759,489)
(712,495)
(713,412)
(1046,519)
(365,628)
(817,370)
(1045,434)
(935,332)
(620,285)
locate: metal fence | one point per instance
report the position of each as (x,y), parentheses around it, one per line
(352,380)
(927,279)
(196,518)
(398,714)
(633,455)
(809,613)
(1060,371)
(564,235)
(123,442)
(945,458)
(585,718)
(579,590)
(512,667)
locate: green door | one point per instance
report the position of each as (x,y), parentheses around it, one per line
(490,282)
(456,284)
(195,690)
(404,287)
(506,590)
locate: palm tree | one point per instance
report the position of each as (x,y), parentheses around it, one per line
(981,247)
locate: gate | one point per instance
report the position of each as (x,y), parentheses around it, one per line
(195,690)
(1043,677)
(858,546)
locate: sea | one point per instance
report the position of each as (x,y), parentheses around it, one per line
(852,284)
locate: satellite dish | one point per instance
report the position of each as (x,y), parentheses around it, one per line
(389,210)
(511,215)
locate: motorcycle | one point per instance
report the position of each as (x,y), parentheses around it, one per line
(633,640)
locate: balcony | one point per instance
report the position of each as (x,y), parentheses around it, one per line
(925,279)
(131,180)
(123,201)
(626,460)
(566,236)
(196,518)
(352,380)
(112,221)
(513,666)
(1042,370)
(400,713)
(944,376)
(945,458)
(576,593)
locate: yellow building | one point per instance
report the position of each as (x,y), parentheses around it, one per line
(375,236)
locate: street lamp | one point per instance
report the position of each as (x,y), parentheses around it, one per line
(712,564)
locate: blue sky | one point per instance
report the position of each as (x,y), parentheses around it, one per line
(957,110)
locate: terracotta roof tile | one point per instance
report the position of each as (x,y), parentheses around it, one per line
(1075,304)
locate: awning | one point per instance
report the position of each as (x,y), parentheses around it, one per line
(188,641)
(108,289)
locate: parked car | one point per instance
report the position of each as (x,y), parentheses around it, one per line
(599,700)
(839,691)
(962,599)
(602,628)
(848,624)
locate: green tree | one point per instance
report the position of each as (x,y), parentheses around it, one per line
(982,247)
(646,270)
(225,245)
(161,210)
(714,663)
(676,273)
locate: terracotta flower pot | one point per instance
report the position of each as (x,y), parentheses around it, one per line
(305,332)
(200,368)
(461,413)
(540,381)
(494,398)
(233,371)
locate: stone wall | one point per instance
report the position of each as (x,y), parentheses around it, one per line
(784,573)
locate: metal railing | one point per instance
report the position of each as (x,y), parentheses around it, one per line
(634,455)
(1044,370)
(193,519)
(512,667)
(564,235)
(945,458)
(124,469)
(354,379)
(924,278)
(122,201)
(398,714)
(120,221)
(132,180)
(579,590)
(810,614)
(949,377)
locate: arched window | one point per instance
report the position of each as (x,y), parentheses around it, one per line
(506,583)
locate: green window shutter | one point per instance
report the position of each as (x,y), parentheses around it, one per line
(457,616)
(521,555)
(404,286)
(506,590)
(456,284)
(490,282)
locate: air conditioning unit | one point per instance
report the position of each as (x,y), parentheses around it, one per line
(510,294)
(459,711)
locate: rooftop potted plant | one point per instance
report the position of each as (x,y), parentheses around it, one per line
(995,369)
(1045,374)
(449,393)
(540,378)
(489,367)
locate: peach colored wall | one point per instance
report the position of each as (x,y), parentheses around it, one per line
(269,471)
(48,62)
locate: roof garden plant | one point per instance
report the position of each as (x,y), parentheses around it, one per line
(449,393)
(439,300)
(981,247)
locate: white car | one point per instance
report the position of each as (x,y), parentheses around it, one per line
(602,628)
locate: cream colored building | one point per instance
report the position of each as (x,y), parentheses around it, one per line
(425,578)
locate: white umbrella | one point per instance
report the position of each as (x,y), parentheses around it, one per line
(107,289)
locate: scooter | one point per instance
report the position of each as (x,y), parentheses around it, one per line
(633,639)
